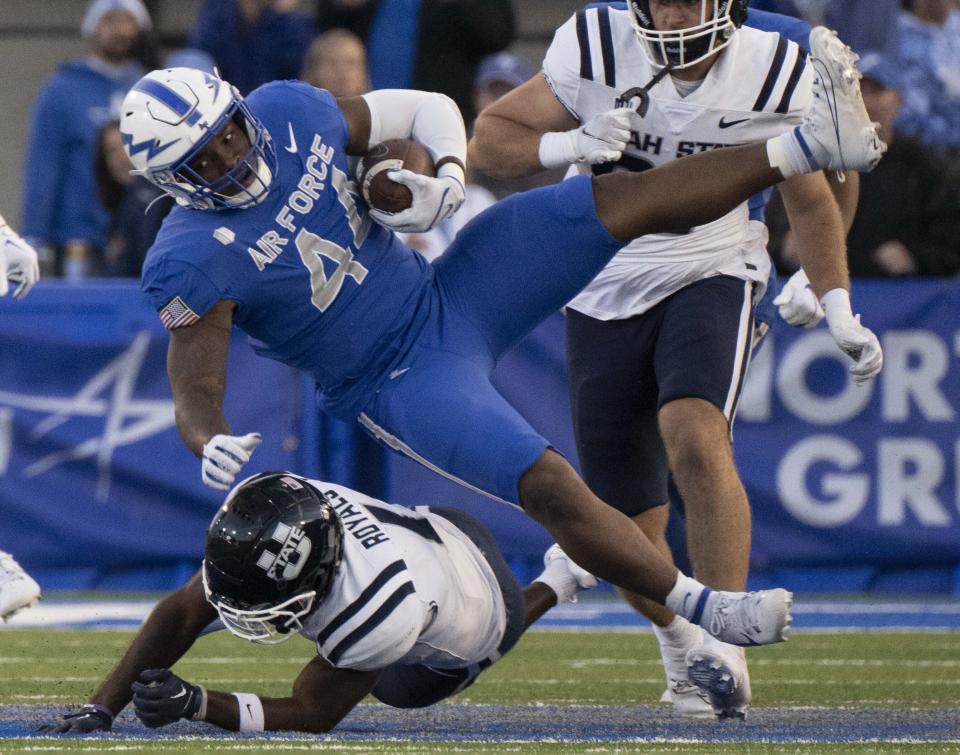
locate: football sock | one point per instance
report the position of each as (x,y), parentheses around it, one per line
(690,599)
(792,153)
(679,633)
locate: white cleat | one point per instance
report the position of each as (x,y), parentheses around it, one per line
(836,132)
(720,673)
(18,589)
(686,698)
(750,618)
(564,576)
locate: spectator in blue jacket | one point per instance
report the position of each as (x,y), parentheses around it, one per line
(930,61)
(61,215)
(253,41)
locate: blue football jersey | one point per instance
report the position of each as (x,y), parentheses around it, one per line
(317,284)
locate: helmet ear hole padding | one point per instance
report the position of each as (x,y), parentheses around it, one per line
(685,47)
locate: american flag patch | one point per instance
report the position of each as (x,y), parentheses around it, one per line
(177,314)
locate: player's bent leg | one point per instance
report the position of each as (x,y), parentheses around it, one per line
(597,537)
(710,184)
(675,635)
(697,437)
(18,589)
(443,412)
(420,685)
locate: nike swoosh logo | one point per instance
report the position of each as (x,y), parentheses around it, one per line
(292,149)
(683,606)
(727,124)
(397,373)
(181,693)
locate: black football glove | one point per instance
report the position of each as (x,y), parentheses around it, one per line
(160,697)
(86,719)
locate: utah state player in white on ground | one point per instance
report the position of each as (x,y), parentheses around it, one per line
(409,605)
(18,265)
(270,237)
(659,342)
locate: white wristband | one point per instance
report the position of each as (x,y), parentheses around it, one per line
(836,304)
(558,149)
(251,711)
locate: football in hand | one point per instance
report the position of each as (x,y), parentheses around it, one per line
(377,188)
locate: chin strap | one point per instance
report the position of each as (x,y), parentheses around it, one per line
(625,99)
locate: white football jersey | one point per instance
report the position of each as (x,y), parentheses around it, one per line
(412,587)
(758,88)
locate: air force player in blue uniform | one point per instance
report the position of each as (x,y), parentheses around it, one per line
(270,236)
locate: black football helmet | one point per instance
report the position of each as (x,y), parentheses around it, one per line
(271,555)
(681,48)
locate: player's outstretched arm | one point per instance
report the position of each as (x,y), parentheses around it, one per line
(818,227)
(165,637)
(322,696)
(197,368)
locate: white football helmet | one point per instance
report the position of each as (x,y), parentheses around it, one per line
(167,119)
(681,48)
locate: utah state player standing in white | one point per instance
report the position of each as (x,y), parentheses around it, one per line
(273,240)
(659,342)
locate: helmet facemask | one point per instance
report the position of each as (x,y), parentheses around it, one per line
(265,625)
(682,48)
(228,191)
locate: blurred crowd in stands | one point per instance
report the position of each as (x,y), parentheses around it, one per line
(88,216)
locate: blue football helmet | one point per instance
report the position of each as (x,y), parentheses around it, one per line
(681,48)
(171,115)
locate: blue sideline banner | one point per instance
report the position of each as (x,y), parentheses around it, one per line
(842,475)
(96,487)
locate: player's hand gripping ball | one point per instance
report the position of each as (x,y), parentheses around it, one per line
(378,190)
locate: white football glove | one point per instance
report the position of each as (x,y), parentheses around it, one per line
(602,139)
(859,342)
(434,200)
(797,303)
(18,263)
(224,456)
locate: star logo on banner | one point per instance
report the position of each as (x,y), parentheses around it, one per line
(108,394)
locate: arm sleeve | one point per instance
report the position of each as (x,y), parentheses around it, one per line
(561,66)
(430,118)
